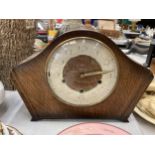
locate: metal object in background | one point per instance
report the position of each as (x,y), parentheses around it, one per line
(151,53)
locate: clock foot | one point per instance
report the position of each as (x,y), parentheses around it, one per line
(125,120)
(35,119)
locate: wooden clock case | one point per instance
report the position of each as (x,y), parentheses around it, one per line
(30,79)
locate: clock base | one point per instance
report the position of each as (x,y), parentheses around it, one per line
(33,119)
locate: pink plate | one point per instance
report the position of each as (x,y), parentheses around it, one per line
(93,129)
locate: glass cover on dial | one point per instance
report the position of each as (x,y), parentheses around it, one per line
(82,71)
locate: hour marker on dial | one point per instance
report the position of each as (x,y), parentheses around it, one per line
(99,81)
(63,81)
(49,74)
(81,91)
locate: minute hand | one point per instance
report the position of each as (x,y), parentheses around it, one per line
(94,73)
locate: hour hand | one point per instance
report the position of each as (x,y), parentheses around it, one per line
(83,75)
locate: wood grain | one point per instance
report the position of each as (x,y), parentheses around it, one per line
(31,81)
(78,65)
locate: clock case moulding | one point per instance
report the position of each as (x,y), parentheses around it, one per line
(30,79)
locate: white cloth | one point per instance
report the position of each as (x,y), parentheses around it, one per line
(2,93)
(14,113)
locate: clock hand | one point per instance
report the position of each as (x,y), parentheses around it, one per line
(94,73)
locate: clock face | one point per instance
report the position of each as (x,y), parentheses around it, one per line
(82,71)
